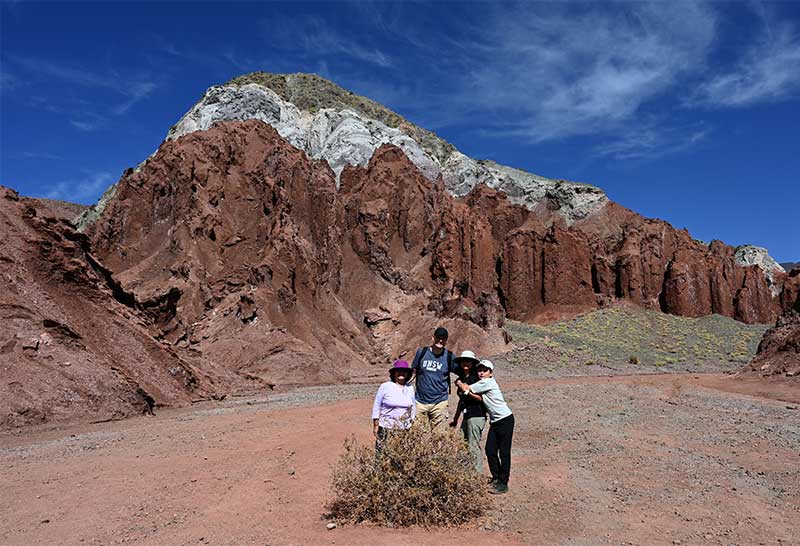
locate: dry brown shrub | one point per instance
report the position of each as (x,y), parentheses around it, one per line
(421,478)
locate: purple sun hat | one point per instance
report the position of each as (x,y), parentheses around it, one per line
(400,365)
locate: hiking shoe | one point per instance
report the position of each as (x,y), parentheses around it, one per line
(499,489)
(492,481)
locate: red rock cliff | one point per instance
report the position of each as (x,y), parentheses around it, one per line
(234,221)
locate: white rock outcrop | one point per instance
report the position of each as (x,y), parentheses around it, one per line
(747,255)
(339,137)
(345,137)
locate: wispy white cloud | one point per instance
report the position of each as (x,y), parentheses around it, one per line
(769,71)
(226,57)
(565,73)
(652,140)
(130,90)
(316,38)
(87,120)
(136,92)
(39,155)
(86,126)
(85,190)
(541,72)
(8,81)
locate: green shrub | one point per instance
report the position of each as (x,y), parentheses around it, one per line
(421,478)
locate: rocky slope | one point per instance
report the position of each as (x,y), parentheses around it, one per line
(779,351)
(231,261)
(342,128)
(73,343)
(59,209)
(258,259)
(260,265)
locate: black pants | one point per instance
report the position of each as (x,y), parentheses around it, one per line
(382,436)
(498,448)
(380,440)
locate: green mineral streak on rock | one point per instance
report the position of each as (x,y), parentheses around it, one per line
(91,214)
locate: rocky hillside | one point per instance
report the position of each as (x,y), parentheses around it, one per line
(288,232)
(779,350)
(255,258)
(342,128)
(74,344)
(257,262)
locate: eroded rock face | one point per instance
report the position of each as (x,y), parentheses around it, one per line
(779,351)
(230,260)
(72,344)
(261,265)
(344,129)
(235,210)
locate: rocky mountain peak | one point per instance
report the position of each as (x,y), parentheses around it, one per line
(629,256)
(330,123)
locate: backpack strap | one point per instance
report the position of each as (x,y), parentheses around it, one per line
(418,360)
(449,370)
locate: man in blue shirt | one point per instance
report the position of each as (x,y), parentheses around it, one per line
(432,368)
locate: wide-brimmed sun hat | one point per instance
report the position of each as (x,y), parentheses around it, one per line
(467,355)
(400,365)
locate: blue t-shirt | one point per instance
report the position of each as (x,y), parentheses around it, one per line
(433,375)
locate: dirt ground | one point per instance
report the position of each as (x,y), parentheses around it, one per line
(690,459)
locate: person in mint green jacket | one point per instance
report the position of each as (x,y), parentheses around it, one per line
(501,424)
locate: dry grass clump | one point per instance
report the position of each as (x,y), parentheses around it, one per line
(421,478)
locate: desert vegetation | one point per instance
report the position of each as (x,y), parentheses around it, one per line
(635,336)
(420,477)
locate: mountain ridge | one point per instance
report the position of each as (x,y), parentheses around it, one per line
(574,200)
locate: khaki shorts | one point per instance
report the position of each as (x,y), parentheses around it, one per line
(435,414)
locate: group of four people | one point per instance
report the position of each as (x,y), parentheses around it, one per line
(397,403)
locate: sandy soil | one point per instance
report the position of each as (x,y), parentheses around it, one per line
(627,460)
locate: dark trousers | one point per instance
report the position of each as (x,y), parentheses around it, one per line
(498,448)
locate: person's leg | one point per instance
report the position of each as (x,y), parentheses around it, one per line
(439,416)
(423,413)
(473,428)
(380,441)
(504,438)
(491,453)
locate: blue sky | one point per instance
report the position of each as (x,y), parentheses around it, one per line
(683,111)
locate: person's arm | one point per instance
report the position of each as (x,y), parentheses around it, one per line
(376,409)
(415,365)
(459,409)
(470,390)
(478,397)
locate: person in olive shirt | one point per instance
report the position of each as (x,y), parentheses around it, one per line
(432,368)
(474,411)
